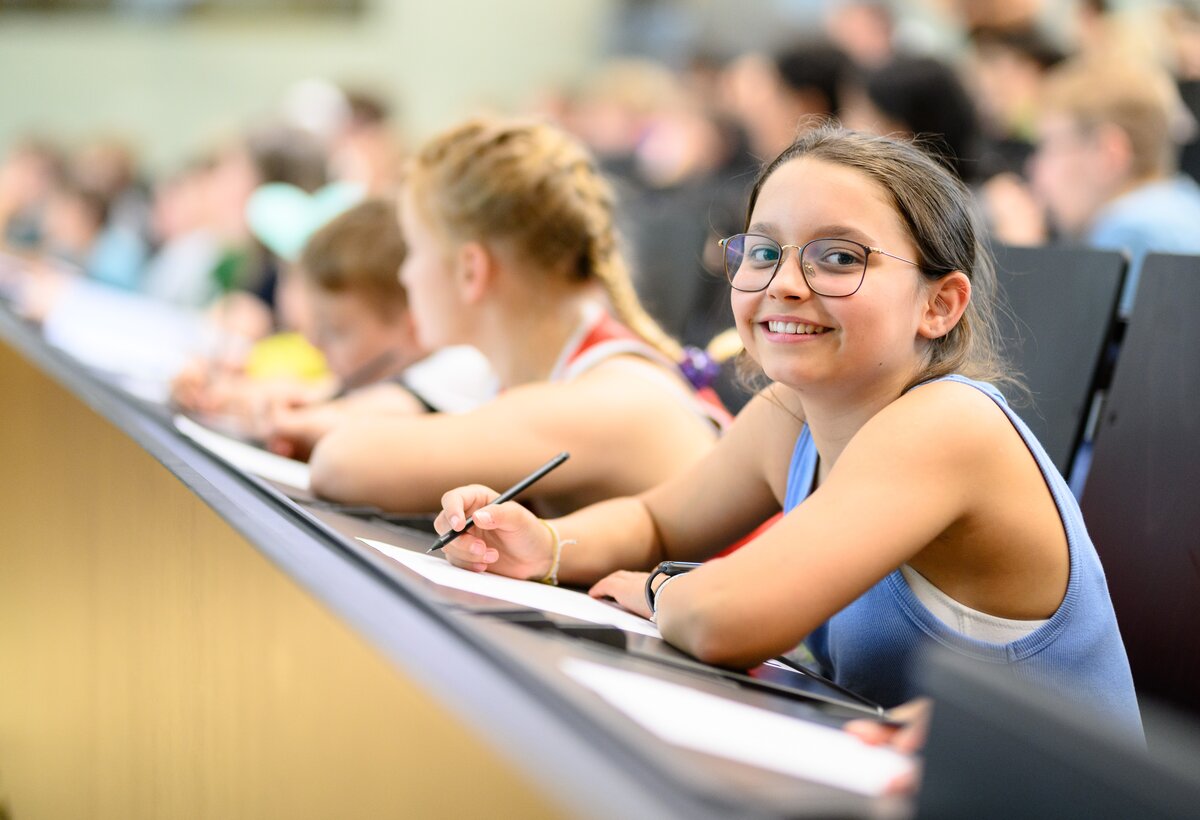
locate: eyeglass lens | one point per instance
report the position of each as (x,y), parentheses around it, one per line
(832,267)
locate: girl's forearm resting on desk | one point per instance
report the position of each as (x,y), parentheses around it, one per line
(693,616)
(611,535)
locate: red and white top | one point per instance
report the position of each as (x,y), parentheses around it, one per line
(600,337)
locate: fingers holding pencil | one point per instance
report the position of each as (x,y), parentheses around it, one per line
(507,539)
(493,532)
(503,537)
(460,504)
(508,495)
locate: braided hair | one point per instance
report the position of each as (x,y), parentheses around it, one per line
(531,185)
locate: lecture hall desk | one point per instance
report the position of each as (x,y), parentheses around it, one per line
(179,641)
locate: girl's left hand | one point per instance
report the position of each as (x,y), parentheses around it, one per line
(627,588)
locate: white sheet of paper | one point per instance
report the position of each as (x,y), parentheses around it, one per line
(246,457)
(725,728)
(126,334)
(526,593)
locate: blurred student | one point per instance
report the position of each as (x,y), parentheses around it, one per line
(512,249)
(1006,71)
(77,231)
(29,173)
(918,507)
(773,98)
(917,97)
(865,30)
(109,165)
(1106,166)
(360,320)
(349,348)
(612,110)
(183,270)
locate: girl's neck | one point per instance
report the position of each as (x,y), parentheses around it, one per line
(524,335)
(834,416)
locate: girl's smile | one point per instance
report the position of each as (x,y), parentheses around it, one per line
(787,329)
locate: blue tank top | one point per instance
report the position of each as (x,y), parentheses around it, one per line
(868,646)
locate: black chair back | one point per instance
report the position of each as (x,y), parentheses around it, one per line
(1142,498)
(1062,306)
(999,747)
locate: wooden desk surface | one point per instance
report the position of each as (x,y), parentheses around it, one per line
(175,642)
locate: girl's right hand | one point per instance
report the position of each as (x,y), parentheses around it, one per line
(507,538)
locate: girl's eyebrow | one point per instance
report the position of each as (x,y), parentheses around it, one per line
(842,232)
(822,232)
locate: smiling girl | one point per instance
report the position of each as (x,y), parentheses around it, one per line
(918,507)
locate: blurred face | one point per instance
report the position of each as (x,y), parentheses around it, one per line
(677,145)
(860,114)
(351,332)
(1069,174)
(805,340)
(178,206)
(1005,86)
(25,178)
(70,226)
(428,276)
(229,184)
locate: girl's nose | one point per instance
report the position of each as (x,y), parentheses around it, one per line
(789,281)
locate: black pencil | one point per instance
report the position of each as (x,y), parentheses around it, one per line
(365,374)
(508,495)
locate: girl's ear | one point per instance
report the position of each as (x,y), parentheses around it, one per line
(475,269)
(945,303)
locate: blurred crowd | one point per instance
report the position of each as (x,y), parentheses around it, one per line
(1083,134)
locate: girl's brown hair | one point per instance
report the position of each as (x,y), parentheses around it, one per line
(359,251)
(531,185)
(938,211)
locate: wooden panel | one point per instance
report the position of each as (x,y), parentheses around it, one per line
(153,664)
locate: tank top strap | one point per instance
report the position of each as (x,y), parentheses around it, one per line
(802,471)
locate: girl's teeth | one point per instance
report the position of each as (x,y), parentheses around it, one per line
(794,328)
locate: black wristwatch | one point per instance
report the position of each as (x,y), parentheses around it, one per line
(669,569)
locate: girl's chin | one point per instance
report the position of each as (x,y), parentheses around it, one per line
(800,375)
(790,378)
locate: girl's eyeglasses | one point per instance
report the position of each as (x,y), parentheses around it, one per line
(832,267)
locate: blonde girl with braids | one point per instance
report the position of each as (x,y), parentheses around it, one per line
(918,508)
(512,249)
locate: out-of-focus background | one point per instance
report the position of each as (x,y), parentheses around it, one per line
(170,75)
(132,127)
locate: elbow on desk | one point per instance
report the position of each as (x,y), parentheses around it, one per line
(332,470)
(704,629)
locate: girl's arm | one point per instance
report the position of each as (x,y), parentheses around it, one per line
(693,515)
(917,468)
(293,431)
(624,435)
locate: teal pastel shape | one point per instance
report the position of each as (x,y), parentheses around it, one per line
(283,217)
